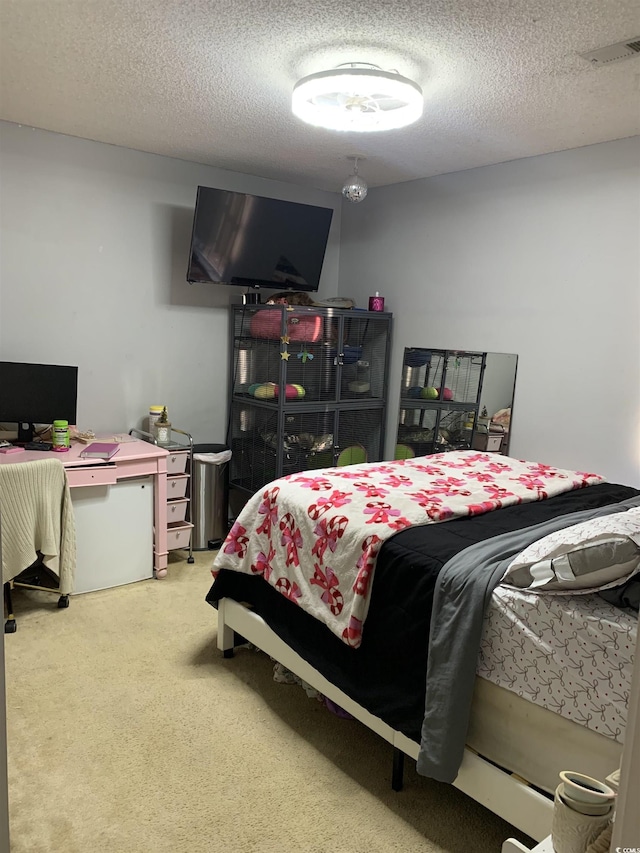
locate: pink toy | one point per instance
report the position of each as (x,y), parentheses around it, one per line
(291,392)
(300,327)
(447,394)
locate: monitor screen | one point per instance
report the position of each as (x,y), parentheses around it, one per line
(257,242)
(37,394)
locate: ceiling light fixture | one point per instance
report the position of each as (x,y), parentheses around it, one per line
(354,188)
(357,96)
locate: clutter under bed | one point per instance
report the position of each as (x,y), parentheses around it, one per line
(558,694)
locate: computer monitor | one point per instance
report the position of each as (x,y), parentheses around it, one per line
(37,394)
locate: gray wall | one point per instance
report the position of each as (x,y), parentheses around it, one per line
(95,242)
(539,257)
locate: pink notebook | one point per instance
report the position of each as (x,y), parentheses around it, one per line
(99,450)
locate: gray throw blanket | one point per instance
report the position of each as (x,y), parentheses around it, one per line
(462,595)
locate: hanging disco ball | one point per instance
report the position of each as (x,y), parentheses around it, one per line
(355,189)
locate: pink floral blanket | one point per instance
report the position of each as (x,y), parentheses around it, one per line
(315,536)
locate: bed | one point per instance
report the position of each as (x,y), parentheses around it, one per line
(521,728)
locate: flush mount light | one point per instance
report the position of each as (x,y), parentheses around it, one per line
(357,96)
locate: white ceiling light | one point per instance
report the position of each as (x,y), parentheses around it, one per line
(359,97)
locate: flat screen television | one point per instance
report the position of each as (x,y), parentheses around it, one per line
(37,394)
(257,242)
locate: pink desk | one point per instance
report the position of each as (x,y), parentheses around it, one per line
(133,459)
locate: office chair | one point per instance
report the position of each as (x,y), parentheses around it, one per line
(38,531)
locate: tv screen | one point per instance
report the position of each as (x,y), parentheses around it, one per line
(254,241)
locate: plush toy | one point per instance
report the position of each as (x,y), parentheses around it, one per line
(447,393)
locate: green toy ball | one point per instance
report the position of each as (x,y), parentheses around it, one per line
(430,393)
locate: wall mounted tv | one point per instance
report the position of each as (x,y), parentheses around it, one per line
(257,242)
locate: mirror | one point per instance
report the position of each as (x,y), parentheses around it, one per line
(455,400)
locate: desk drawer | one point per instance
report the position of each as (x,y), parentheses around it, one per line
(177,462)
(177,486)
(177,510)
(178,535)
(91,475)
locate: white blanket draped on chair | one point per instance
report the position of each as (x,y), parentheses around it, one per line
(37,518)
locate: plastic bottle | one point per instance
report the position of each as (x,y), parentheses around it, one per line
(60,436)
(155,413)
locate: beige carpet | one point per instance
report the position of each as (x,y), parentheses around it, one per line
(129,733)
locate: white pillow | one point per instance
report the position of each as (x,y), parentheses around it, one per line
(585,557)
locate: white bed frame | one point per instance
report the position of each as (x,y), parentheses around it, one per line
(501,792)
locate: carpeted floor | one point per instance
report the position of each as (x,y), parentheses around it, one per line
(129,733)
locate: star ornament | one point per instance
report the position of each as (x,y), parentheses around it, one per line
(284,355)
(285,339)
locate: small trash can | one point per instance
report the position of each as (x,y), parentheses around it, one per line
(210,495)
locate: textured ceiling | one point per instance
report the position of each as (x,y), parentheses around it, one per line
(211,81)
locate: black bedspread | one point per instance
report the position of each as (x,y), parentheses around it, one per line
(387,674)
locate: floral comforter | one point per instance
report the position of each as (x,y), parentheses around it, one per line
(315,536)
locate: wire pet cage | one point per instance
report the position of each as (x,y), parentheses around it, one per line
(307,384)
(440,397)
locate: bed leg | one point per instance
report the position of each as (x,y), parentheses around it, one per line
(397,775)
(225,633)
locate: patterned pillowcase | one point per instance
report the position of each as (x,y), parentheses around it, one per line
(586,557)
